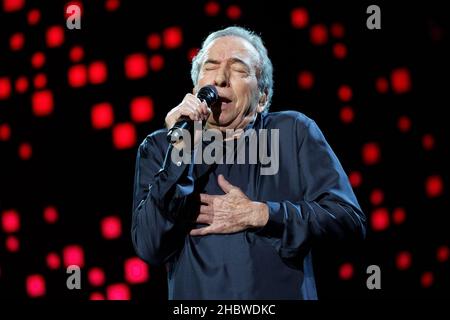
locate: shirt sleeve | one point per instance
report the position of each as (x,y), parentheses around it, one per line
(329,208)
(158,225)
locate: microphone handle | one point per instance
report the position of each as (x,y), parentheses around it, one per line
(183,124)
(176,131)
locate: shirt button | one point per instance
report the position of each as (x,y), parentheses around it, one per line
(179,163)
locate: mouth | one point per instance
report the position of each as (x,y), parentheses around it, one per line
(223,102)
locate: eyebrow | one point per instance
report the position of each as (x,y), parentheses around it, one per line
(232,60)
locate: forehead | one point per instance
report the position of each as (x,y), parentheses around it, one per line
(228,47)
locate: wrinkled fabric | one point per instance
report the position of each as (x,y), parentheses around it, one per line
(309,198)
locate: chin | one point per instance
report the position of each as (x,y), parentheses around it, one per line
(223,120)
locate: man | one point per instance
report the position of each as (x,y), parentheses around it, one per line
(226,231)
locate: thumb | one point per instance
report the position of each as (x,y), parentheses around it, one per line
(224,184)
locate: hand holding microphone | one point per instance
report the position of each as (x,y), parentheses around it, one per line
(192,108)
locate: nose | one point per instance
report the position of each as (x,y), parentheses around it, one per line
(222,77)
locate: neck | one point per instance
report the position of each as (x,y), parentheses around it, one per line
(239,127)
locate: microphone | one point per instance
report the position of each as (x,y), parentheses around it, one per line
(210,95)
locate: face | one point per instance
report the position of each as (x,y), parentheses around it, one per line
(230,64)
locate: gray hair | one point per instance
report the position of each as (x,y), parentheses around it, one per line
(265,72)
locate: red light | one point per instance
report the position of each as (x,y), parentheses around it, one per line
(442,253)
(154,41)
(427,279)
(345,93)
(434,186)
(399,215)
(77,76)
(53,261)
(212,8)
(112,5)
(10,221)
(337,30)
(5,88)
(172,37)
(192,53)
(54,36)
(156,62)
(51,214)
(97,72)
(377,197)
(347,115)
(371,153)
(5,132)
(136,66)
(111,227)
(35,285)
(21,84)
(318,34)
(33,17)
(124,135)
(346,271)
(102,115)
(42,103)
(13,5)
(404,124)
(340,50)
(118,291)
(76,54)
(40,81)
(299,18)
(25,151)
(400,80)
(305,80)
(136,271)
(234,12)
(403,260)
(16,41)
(142,109)
(428,141)
(355,179)
(12,244)
(96,296)
(96,277)
(379,219)
(381,85)
(38,60)
(73,255)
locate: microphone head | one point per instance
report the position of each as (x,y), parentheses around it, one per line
(209,94)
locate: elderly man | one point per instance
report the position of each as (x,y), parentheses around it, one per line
(225,231)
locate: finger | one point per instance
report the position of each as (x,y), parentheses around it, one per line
(193,107)
(204,218)
(199,110)
(206,198)
(190,112)
(206,210)
(199,232)
(203,231)
(204,110)
(193,116)
(224,184)
(192,98)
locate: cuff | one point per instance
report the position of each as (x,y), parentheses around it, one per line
(275,225)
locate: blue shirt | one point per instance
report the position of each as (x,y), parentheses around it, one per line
(309,199)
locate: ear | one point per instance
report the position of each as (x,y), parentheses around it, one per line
(262,102)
